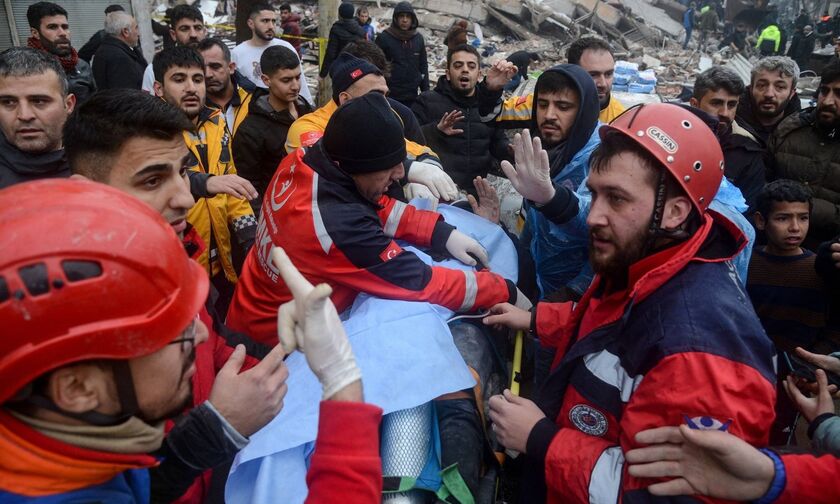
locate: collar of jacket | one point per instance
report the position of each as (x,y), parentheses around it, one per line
(235,100)
(211,114)
(53,163)
(36,465)
(114,41)
(317,158)
(260,106)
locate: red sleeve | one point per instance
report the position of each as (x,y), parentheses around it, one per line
(346,466)
(405,222)
(691,384)
(550,323)
(811,479)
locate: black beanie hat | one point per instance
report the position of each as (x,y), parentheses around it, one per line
(365,135)
(347,69)
(346,10)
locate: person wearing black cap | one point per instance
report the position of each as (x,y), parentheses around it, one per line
(342,32)
(345,228)
(353,77)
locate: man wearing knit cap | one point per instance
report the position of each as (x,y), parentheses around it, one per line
(342,32)
(345,228)
(354,77)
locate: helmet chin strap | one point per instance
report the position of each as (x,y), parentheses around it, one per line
(655,229)
(125,392)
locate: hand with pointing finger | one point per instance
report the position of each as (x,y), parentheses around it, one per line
(310,323)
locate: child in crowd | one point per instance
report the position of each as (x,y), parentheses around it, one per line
(258,146)
(787,294)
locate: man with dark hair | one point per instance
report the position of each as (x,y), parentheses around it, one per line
(34,104)
(451,122)
(179,79)
(135,143)
(595,55)
(260,144)
(353,77)
(802,47)
(806,148)
(344,31)
(227,89)
(186,29)
(645,345)
(562,115)
(290,24)
(717,92)
(50,32)
(262,20)
(89,49)
(117,64)
(771,95)
(405,49)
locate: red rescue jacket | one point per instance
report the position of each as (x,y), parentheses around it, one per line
(680,343)
(333,235)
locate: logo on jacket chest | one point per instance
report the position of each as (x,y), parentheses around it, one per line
(588,420)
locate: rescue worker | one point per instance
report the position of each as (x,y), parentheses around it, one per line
(771,95)
(345,227)
(595,55)
(179,74)
(99,341)
(135,143)
(50,32)
(806,148)
(645,346)
(353,77)
(227,89)
(769,41)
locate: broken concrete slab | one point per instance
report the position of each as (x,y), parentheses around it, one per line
(605,12)
(473,11)
(654,16)
(510,7)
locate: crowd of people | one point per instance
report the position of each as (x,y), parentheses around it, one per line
(174,231)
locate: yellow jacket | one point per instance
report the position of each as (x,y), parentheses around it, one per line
(519,109)
(613,109)
(307,129)
(213,217)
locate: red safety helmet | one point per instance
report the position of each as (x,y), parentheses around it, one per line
(682,143)
(87,272)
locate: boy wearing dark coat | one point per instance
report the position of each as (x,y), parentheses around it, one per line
(405,49)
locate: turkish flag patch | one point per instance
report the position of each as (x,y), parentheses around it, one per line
(309,138)
(355,74)
(390,252)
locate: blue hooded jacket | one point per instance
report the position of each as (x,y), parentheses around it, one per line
(560,252)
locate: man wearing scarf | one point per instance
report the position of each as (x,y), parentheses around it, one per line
(50,32)
(405,49)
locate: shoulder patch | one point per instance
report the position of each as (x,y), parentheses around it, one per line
(309,138)
(588,420)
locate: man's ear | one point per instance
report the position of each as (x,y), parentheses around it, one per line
(759,221)
(78,388)
(694,102)
(70,103)
(158,87)
(265,79)
(677,210)
(33,32)
(172,35)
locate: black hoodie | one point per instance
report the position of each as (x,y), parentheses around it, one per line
(17,166)
(406,51)
(342,33)
(259,143)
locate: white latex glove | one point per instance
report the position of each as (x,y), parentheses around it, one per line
(532,175)
(310,324)
(434,178)
(413,190)
(521,301)
(460,246)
